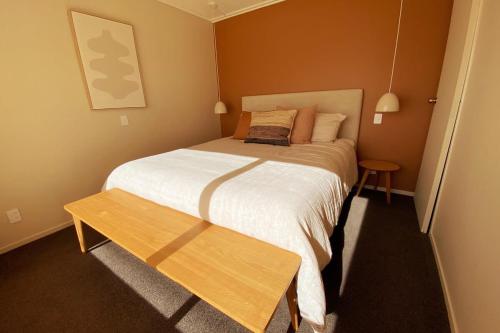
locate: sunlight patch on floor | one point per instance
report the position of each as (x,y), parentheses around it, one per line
(185,312)
(353,228)
(149,284)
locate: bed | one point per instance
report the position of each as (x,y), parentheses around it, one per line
(288,196)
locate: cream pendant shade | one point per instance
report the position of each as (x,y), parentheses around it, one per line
(220,108)
(389,102)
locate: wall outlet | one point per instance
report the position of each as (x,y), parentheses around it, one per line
(14,215)
(377,119)
(124,120)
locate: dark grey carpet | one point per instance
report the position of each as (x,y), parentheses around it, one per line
(382,278)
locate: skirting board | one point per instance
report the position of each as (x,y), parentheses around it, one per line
(66,224)
(444,286)
(396,191)
(35,236)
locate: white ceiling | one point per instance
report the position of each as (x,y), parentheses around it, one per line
(225,8)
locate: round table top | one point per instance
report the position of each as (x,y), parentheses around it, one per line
(379,165)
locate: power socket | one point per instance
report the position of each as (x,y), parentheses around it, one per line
(14,215)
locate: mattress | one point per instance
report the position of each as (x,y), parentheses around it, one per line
(287,196)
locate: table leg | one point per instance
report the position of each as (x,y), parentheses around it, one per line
(291,297)
(79,233)
(363,181)
(377,179)
(388,186)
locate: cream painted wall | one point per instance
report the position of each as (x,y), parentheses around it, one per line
(53,148)
(466,226)
(444,115)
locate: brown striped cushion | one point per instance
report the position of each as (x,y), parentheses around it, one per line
(271,127)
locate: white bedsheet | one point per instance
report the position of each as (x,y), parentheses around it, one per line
(288,196)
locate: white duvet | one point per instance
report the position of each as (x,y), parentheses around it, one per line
(288,196)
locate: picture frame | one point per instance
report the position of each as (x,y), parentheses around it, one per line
(109,62)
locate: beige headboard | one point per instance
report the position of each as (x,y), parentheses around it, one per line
(348,102)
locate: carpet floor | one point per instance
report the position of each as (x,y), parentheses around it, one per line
(382,278)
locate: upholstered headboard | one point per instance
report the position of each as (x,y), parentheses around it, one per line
(348,102)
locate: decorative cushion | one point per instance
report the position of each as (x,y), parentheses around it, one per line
(271,127)
(326,126)
(243,126)
(303,125)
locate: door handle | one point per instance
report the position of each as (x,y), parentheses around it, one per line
(432,100)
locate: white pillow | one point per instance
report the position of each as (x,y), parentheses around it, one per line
(326,126)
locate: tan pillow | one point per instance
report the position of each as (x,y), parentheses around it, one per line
(326,126)
(271,127)
(303,125)
(243,126)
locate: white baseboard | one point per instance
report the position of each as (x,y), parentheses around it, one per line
(35,236)
(66,224)
(444,286)
(393,190)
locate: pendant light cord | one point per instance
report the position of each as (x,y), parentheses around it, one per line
(216,62)
(396,47)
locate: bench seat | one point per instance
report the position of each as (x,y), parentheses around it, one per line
(240,276)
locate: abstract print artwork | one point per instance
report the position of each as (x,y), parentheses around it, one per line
(109,61)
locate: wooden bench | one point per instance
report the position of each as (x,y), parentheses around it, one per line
(240,276)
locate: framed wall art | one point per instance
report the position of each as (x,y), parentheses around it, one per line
(109,62)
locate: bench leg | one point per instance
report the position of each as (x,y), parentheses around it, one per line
(79,233)
(291,297)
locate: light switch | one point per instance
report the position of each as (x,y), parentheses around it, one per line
(14,215)
(124,120)
(377,120)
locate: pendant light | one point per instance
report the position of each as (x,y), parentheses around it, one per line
(220,107)
(389,102)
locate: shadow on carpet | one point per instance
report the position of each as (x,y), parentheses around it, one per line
(382,278)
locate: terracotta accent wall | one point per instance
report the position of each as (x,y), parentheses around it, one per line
(307,45)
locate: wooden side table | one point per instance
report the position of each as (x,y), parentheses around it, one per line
(378,166)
